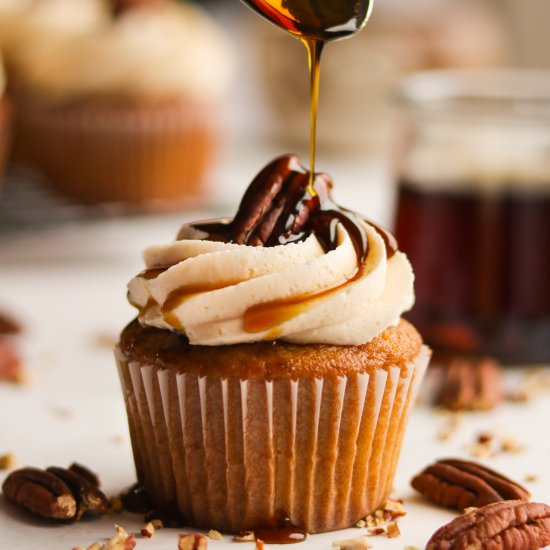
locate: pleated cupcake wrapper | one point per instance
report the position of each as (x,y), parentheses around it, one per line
(144,155)
(235,454)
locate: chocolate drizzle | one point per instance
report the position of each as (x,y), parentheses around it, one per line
(279,208)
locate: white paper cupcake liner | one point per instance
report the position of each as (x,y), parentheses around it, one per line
(235,454)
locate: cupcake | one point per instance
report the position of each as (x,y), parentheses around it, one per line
(269,375)
(129,111)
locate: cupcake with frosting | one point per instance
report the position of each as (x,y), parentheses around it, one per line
(269,375)
(127,112)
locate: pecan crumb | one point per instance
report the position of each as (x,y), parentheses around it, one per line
(115,505)
(511,445)
(148,530)
(192,541)
(359,543)
(450,427)
(11,364)
(8,325)
(489,445)
(260,545)
(245,536)
(8,462)
(531,478)
(361,523)
(216,535)
(393,530)
(120,541)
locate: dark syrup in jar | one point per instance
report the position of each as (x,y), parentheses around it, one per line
(486,290)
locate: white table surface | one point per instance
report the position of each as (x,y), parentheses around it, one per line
(68,288)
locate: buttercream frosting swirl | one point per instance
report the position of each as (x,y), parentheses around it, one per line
(219,293)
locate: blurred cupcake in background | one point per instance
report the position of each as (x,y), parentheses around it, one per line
(127,112)
(27,22)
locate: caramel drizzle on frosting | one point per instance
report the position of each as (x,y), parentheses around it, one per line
(278,209)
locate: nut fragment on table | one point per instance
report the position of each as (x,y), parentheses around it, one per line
(120,541)
(9,325)
(11,364)
(215,535)
(470,384)
(192,541)
(8,462)
(507,525)
(245,536)
(461,484)
(358,543)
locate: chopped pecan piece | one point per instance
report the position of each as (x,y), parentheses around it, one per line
(11,365)
(40,492)
(462,484)
(358,543)
(120,541)
(471,384)
(508,525)
(192,541)
(8,325)
(8,461)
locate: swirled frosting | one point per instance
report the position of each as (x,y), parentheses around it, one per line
(218,293)
(165,50)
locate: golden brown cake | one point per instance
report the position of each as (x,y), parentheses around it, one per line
(309,432)
(269,374)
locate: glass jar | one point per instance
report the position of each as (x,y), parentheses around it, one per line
(473,211)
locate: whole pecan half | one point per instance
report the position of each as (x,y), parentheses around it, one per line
(470,384)
(40,492)
(277,204)
(462,484)
(56,493)
(508,525)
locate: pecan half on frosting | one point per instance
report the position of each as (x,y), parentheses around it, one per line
(508,525)
(462,484)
